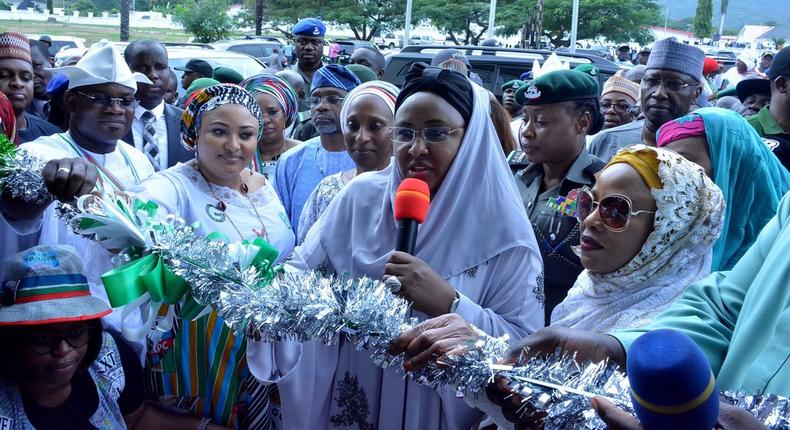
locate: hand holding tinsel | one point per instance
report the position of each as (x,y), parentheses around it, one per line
(20,174)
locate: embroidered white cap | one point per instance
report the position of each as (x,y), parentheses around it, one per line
(102,64)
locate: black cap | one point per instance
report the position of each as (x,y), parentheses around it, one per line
(199,66)
(781,64)
(747,87)
(624,48)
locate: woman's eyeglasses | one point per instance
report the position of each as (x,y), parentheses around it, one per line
(102,101)
(44,343)
(429,135)
(615,210)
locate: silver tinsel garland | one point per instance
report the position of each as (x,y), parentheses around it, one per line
(772,410)
(306,306)
(20,174)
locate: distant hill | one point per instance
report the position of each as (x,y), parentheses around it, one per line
(739,13)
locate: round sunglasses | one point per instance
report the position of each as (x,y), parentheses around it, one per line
(615,210)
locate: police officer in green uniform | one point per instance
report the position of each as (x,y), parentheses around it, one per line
(559,110)
(509,89)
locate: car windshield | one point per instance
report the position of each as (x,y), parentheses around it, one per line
(244,65)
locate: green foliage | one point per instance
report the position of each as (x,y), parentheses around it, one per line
(363,17)
(206,20)
(4,5)
(702,19)
(469,18)
(779,42)
(616,20)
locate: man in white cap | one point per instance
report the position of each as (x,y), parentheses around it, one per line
(88,157)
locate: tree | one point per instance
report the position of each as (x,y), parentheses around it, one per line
(206,20)
(258,17)
(365,18)
(616,20)
(464,18)
(702,19)
(779,42)
(124,20)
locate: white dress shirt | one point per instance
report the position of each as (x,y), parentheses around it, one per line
(160,125)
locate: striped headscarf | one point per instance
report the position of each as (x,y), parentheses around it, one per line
(7,119)
(381,89)
(210,98)
(277,87)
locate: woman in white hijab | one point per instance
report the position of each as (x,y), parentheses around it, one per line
(475,255)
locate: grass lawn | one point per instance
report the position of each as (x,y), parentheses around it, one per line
(94,33)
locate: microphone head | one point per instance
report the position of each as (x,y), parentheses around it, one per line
(672,385)
(412,200)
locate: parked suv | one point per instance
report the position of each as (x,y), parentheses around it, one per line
(348,46)
(389,41)
(494,65)
(256,48)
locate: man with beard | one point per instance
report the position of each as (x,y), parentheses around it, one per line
(17,79)
(309,39)
(669,88)
(156,127)
(301,168)
(618,100)
(89,157)
(39,55)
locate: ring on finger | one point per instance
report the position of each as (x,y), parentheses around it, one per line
(64,170)
(394,284)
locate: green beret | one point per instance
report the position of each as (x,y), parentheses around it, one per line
(515,84)
(558,86)
(729,91)
(363,73)
(226,75)
(199,84)
(590,69)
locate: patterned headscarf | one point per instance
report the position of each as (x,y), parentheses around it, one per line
(381,89)
(277,87)
(210,98)
(690,125)
(688,221)
(7,119)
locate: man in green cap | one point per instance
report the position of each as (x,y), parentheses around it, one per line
(509,89)
(559,110)
(226,75)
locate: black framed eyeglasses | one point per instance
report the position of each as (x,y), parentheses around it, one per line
(429,135)
(618,107)
(45,343)
(102,101)
(670,84)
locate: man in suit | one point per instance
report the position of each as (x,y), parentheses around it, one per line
(155,129)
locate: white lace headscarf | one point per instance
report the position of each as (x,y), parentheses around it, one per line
(688,220)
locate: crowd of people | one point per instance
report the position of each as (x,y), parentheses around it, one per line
(680,220)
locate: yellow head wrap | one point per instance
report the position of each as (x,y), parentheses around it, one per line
(644,160)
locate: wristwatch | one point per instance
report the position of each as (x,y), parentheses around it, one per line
(454,303)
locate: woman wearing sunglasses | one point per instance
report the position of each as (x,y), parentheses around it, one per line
(475,256)
(647,231)
(58,368)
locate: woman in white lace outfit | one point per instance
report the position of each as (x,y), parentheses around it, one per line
(365,118)
(632,275)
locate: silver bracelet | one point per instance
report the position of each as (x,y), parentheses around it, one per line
(203,423)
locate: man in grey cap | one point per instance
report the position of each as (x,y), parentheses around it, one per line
(452,59)
(668,90)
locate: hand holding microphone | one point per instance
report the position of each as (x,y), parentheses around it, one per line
(428,292)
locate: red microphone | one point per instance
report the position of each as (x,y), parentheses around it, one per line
(412,200)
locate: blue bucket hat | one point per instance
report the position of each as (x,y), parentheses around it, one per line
(312,27)
(672,384)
